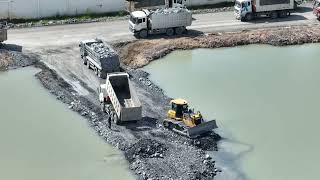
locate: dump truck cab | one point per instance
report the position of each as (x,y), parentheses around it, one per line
(138,21)
(242,8)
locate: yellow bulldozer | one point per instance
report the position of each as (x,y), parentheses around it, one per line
(186,121)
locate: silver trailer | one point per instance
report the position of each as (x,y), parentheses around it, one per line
(100,57)
(246,10)
(3,32)
(168,21)
(119,99)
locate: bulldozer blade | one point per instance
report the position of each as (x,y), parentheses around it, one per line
(202,128)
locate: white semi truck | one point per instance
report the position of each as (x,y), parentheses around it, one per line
(168,21)
(119,99)
(246,10)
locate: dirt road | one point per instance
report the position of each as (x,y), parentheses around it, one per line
(118,30)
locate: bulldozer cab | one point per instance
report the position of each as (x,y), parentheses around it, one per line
(178,108)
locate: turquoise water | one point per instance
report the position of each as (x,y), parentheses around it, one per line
(265,99)
(41,139)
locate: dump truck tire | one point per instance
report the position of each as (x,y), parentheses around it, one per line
(274,15)
(170,32)
(249,17)
(179,30)
(283,14)
(143,34)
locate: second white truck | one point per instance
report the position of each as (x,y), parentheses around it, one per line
(247,10)
(168,21)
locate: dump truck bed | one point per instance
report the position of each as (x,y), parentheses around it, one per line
(273,5)
(123,97)
(171,17)
(101,54)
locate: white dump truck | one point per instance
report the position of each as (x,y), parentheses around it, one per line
(246,10)
(99,56)
(3,32)
(168,21)
(118,98)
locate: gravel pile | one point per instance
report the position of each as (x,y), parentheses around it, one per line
(145,148)
(14,59)
(175,10)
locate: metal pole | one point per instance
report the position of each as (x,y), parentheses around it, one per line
(39,9)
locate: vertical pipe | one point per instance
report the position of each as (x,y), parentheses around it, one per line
(8,10)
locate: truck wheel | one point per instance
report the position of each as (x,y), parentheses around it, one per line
(143,34)
(248,17)
(274,14)
(179,30)
(170,32)
(96,71)
(283,14)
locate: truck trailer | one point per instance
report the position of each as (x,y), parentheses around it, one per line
(246,10)
(100,57)
(3,32)
(119,99)
(168,21)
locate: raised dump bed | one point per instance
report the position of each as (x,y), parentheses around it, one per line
(119,99)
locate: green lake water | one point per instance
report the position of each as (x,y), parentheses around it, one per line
(41,139)
(266,101)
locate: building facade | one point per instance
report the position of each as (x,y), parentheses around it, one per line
(17,9)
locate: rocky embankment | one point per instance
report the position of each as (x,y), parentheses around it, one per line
(13,59)
(139,53)
(152,151)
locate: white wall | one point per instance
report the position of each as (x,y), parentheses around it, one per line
(205,2)
(45,8)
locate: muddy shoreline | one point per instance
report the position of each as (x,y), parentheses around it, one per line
(153,152)
(140,53)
